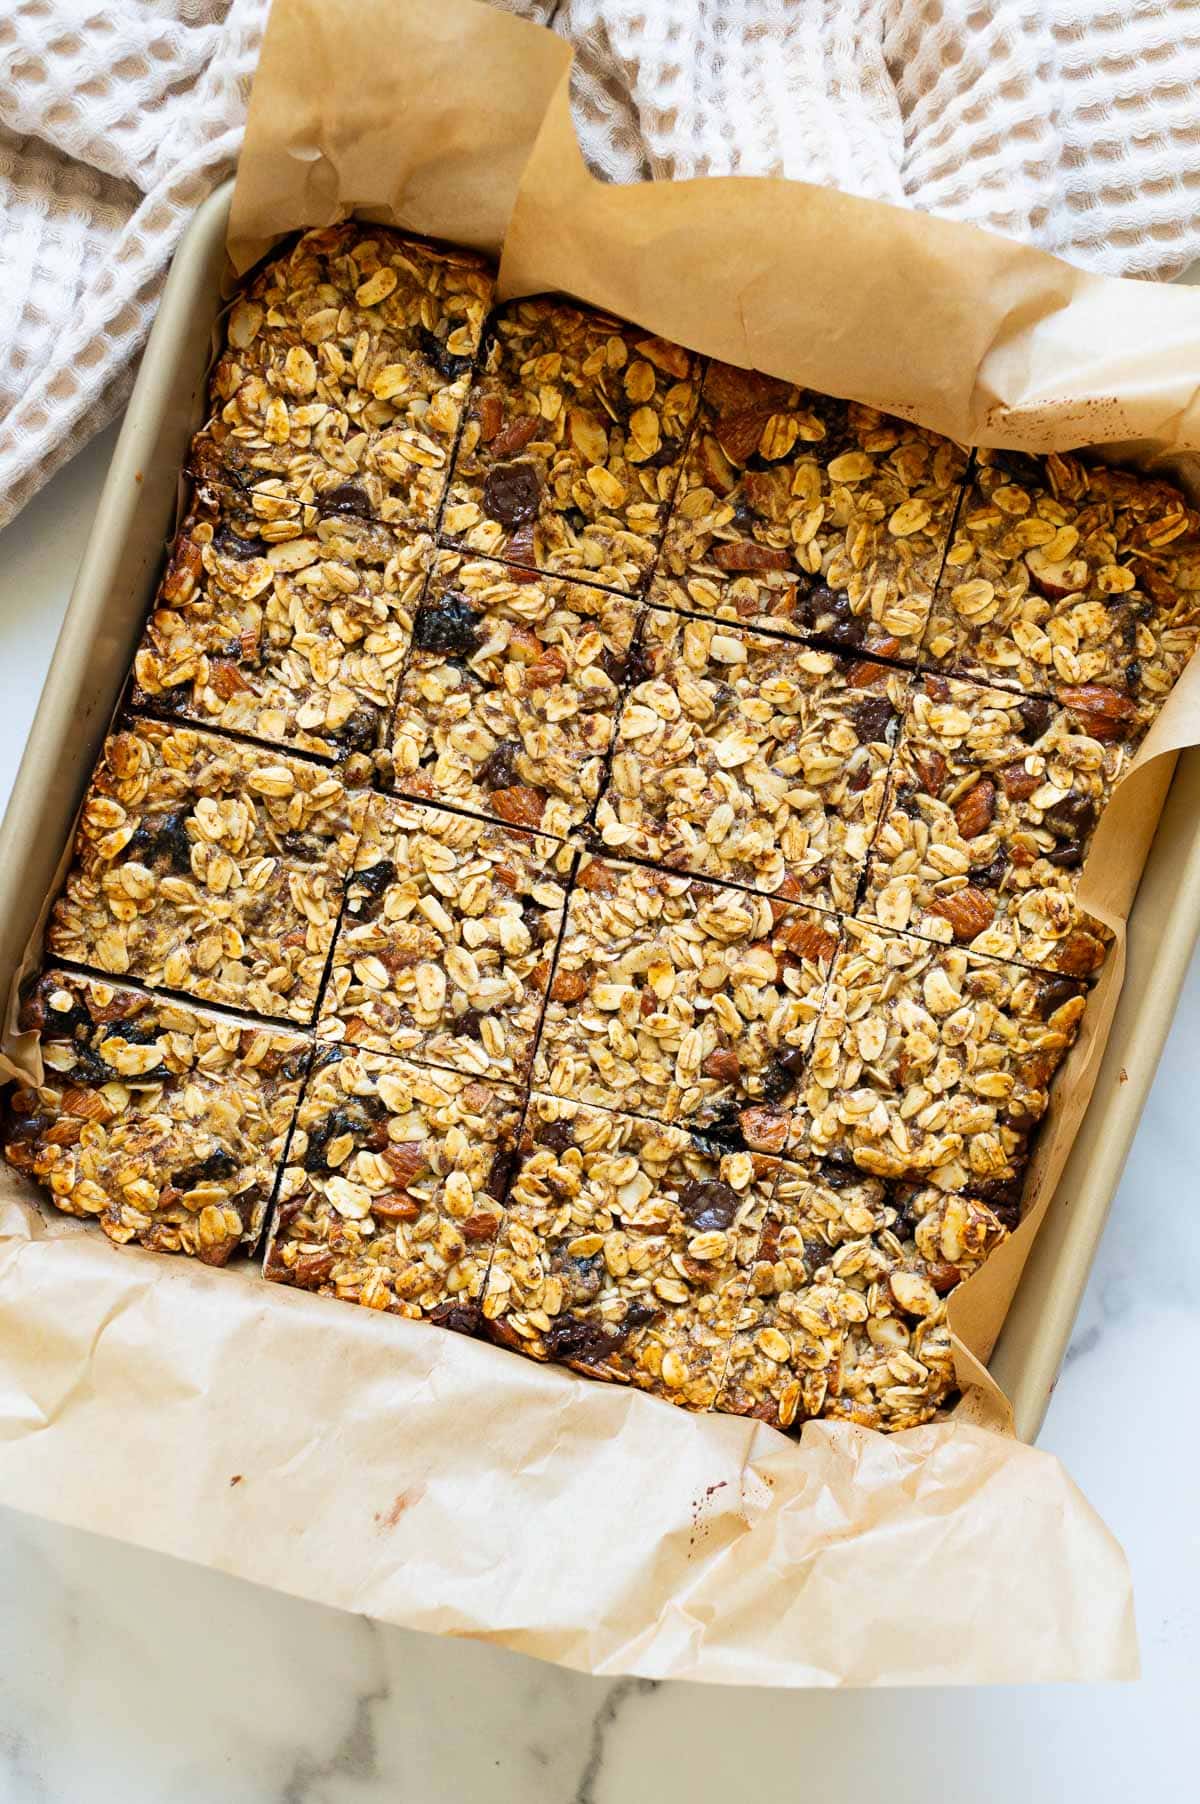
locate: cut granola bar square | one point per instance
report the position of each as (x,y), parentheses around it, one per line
(815,516)
(845,1314)
(446,942)
(290,629)
(347,364)
(572,445)
(688,1002)
(626,1249)
(163,1122)
(508,699)
(756,760)
(394,1184)
(1075,578)
(932,1063)
(208,866)
(993,803)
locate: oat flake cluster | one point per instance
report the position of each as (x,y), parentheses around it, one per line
(588,855)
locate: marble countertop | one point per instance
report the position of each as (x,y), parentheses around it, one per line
(128,1676)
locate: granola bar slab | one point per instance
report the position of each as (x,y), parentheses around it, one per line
(208,866)
(446,942)
(346,368)
(1075,578)
(845,1314)
(392,1193)
(508,699)
(810,515)
(753,759)
(626,1249)
(993,803)
(685,1001)
(164,1123)
(289,630)
(572,444)
(932,1063)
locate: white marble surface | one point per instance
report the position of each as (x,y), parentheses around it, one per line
(126,1678)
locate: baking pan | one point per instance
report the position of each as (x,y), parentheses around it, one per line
(99,634)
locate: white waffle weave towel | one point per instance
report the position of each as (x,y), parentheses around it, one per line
(1070,123)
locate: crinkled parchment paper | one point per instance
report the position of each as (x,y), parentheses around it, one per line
(446,1485)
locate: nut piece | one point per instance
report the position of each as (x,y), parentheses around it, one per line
(1065,575)
(991,811)
(751,759)
(449,927)
(210,867)
(393,1191)
(931,1063)
(845,1315)
(674,972)
(626,1249)
(281,625)
(165,1123)
(511,683)
(569,457)
(347,368)
(810,515)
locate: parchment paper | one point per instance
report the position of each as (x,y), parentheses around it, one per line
(443,1484)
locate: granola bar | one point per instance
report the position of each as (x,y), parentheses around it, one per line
(163,1122)
(210,867)
(283,629)
(932,1063)
(508,700)
(757,760)
(572,445)
(808,514)
(845,1314)
(1071,577)
(392,1192)
(994,800)
(685,1001)
(346,368)
(445,946)
(626,1249)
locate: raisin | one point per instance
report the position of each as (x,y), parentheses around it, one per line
(448,625)
(838,1169)
(340,1122)
(584,1278)
(466,1025)
(780,1076)
(163,839)
(708,1204)
(557,1135)
(359,732)
(447,363)
(990,875)
(1036,716)
(512,492)
(461,1318)
(374,880)
(499,768)
(302,846)
(219,1164)
(723,1126)
(347,498)
(905,801)
(589,1342)
(834,618)
(872,719)
(228,542)
(1133,674)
